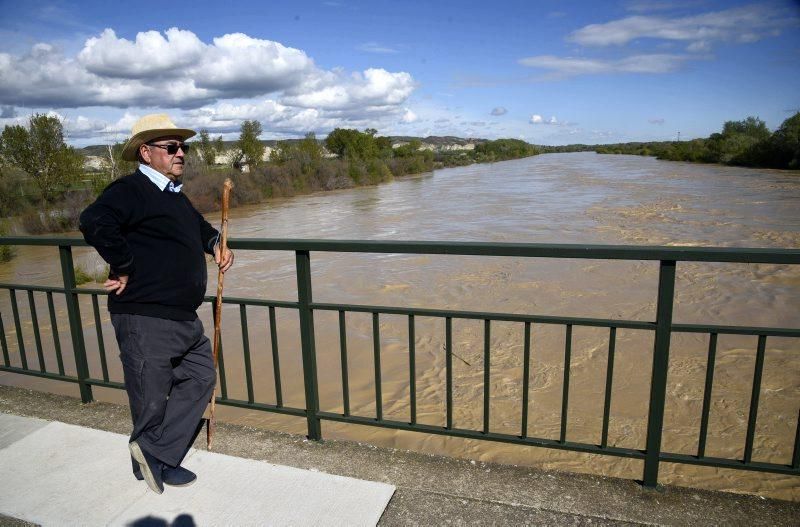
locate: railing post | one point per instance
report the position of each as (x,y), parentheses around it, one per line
(658,381)
(303,260)
(75,323)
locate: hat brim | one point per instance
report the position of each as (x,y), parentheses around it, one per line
(132,145)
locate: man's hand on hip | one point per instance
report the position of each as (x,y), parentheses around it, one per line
(226,261)
(117,284)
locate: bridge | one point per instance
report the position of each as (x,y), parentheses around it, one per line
(16,360)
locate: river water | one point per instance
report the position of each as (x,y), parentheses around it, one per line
(556,198)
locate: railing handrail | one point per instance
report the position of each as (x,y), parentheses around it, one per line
(529,250)
(662,327)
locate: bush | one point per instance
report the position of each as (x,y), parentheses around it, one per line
(203,186)
(82,276)
(7,252)
(16,192)
(99,183)
(357,172)
(503,149)
(333,174)
(36,221)
(453,159)
(378,172)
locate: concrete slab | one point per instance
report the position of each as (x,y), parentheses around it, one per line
(13,428)
(236,491)
(67,474)
(63,474)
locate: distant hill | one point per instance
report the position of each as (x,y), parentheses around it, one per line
(94,150)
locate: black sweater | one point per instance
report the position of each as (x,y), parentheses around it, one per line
(158,239)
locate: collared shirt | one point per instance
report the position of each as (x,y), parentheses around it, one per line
(159,179)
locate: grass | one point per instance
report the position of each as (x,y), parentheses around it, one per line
(84,277)
(7,252)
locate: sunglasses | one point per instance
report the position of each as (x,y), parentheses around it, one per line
(172,148)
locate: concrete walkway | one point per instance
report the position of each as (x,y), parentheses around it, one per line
(58,474)
(436,490)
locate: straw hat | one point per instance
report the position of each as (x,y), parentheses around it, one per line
(151,127)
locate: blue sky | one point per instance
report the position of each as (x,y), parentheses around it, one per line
(548,72)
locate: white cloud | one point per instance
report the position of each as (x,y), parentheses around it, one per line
(239,65)
(409,116)
(274,116)
(279,118)
(656,120)
(335,91)
(149,55)
(499,110)
(700,32)
(538,119)
(742,24)
(178,70)
(569,66)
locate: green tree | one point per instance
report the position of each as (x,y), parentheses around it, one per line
(250,146)
(311,149)
(501,149)
(738,144)
(785,144)
(384,146)
(347,143)
(751,126)
(206,148)
(409,149)
(7,252)
(307,153)
(219,147)
(40,151)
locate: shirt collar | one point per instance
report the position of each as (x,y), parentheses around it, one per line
(159,179)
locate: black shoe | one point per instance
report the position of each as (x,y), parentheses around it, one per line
(178,476)
(150,467)
(174,477)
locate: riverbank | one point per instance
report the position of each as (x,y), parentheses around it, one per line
(294,169)
(745,143)
(435,490)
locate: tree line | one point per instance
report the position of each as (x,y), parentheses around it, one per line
(43,180)
(746,143)
(345,158)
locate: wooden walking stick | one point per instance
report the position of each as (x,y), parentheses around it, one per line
(223,247)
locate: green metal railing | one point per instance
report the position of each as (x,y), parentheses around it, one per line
(663,327)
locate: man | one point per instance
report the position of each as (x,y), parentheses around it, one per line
(154,241)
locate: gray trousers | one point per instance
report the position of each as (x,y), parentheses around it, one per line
(169,376)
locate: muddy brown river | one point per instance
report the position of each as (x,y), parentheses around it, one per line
(556,198)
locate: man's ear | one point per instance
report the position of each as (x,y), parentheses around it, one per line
(144,153)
